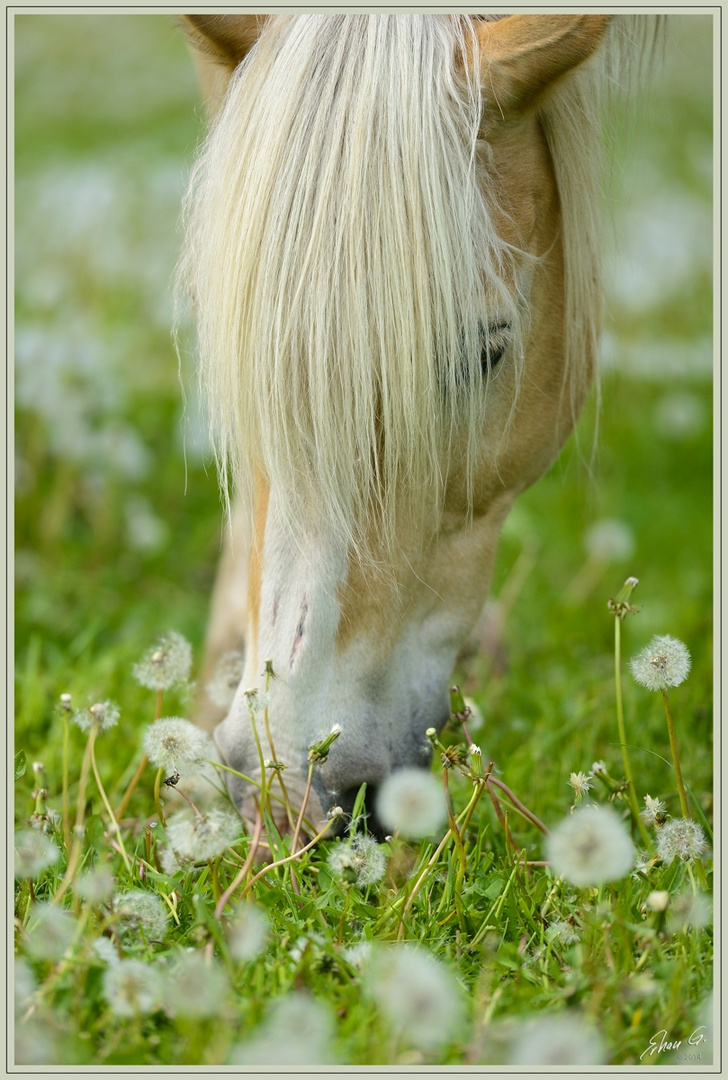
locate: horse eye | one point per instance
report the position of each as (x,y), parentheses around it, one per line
(496,343)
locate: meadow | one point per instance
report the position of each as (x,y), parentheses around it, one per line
(448,944)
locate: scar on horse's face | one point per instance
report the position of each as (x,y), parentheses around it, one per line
(372,647)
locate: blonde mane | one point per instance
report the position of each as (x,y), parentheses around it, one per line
(338,237)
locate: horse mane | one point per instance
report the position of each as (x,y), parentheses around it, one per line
(338,236)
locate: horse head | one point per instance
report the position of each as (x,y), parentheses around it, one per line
(392,258)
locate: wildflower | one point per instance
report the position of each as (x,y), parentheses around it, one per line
(359,861)
(580,783)
(257,701)
(51,931)
(167,664)
(95,886)
(198,838)
(680,837)
(176,745)
(140,912)
(598,767)
(132,988)
(102,716)
(34,853)
(664,662)
(247,933)
(412,802)
(590,846)
(689,910)
(228,673)
(297,1031)
(609,540)
(655,811)
(418,995)
(557,1040)
(194,988)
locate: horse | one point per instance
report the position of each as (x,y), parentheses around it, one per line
(392,257)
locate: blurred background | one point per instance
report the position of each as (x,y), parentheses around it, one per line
(117,519)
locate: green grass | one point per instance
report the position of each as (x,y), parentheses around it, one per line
(116,542)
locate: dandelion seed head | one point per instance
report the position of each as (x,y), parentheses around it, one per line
(580,783)
(590,846)
(102,716)
(598,767)
(298,1031)
(562,931)
(658,900)
(412,802)
(689,909)
(248,933)
(50,931)
(655,811)
(664,662)
(196,839)
(34,853)
(359,860)
(166,664)
(195,988)
(177,745)
(359,954)
(105,951)
(681,838)
(228,673)
(132,988)
(95,886)
(140,911)
(25,984)
(416,993)
(557,1040)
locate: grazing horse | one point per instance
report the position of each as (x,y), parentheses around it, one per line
(392,258)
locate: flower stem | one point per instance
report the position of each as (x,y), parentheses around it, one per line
(675,759)
(109,811)
(631,794)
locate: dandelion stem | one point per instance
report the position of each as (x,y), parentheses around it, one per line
(109,811)
(264,798)
(631,794)
(244,870)
(80,817)
(518,805)
(675,759)
(289,858)
(307,792)
(64,781)
(157,801)
(130,790)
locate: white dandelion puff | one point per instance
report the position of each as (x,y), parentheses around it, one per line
(359,861)
(248,933)
(195,988)
(226,679)
(412,802)
(655,811)
(140,912)
(664,662)
(196,838)
(681,838)
(25,984)
(51,931)
(102,716)
(95,886)
(166,664)
(417,994)
(557,1040)
(609,540)
(34,853)
(658,900)
(562,931)
(590,846)
(297,1031)
(177,745)
(687,910)
(580,783)
(105,951)
(598,767)
(132,988)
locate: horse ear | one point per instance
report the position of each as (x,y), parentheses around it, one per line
(225,38)
(521,56)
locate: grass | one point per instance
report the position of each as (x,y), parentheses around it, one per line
(116,543)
